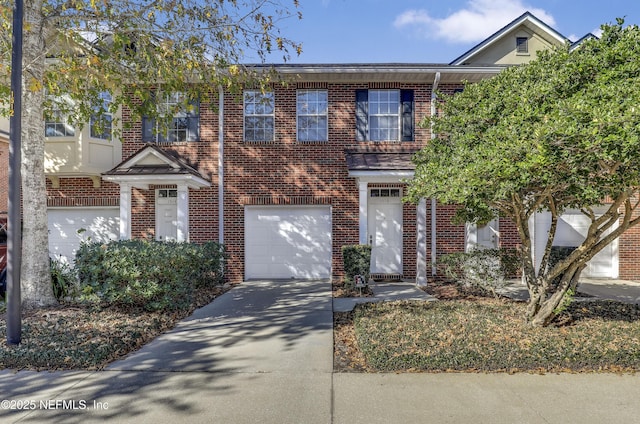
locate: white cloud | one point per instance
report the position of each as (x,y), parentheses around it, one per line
(475,22)
(597,32)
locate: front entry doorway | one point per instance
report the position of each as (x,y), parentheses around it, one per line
(385,230)
(166,214)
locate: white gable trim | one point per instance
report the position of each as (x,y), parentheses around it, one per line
(526,19)
(144,181)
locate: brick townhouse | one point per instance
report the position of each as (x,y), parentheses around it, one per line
(286,178)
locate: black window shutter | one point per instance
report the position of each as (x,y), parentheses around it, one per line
(148,127)
(193,122)
(406,99)
(362,112)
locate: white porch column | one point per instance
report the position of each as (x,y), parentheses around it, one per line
(125,211)
(183,213)
(364,195)
(421,241)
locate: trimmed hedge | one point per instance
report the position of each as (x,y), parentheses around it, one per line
(357,261)
(151,275)
(485,269)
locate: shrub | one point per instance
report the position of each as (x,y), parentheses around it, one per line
(148,274)
(484,269)
(63,279)
(357,261)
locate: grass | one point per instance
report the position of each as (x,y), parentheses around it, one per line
(489,335)
(85,337)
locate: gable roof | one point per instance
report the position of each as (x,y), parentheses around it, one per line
(527,19)
(153,165)
(587,36)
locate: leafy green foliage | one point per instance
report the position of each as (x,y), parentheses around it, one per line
(484,269)
(490,336)
(150,275)
(105,46)
(63,279)
(357,261)
(560,132)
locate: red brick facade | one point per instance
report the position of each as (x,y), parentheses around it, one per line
(289,172)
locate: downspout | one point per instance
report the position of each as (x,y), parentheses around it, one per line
(220,165)
(434,97)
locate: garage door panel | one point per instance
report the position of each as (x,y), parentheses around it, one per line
(69,227)
(571,231)
(288,242)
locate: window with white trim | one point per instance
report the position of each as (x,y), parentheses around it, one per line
(312,111)
(184,126)
(259,116)
(384,115)
(56,123)
(101,128)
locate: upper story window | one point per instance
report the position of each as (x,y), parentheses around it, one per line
(184,126)
(55,124)
(102,128)
(312,109)
(259,116)
(522,45)
(384,115)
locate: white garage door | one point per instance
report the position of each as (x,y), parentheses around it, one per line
(69,226)
(571,231)
(287,242)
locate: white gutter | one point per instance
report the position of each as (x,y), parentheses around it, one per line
(434,97)
(221,165)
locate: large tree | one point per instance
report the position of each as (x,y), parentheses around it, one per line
(76,50)
(562,132)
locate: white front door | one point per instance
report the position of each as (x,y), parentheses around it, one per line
(385,230)
(166,214)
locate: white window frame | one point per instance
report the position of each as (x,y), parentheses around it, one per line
(261,106)
(57,120)
(381,107)
(312,108)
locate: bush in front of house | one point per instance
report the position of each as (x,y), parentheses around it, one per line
(484,269)
(147,274)
(63,279)
(357,261)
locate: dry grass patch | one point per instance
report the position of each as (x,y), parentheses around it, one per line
(73,337)
(489,335)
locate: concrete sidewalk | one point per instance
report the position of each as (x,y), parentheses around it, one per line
(263,352)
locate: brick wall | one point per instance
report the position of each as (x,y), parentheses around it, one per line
(629,251)
(288,172)
(312,173)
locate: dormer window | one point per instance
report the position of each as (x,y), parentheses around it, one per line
(522,45)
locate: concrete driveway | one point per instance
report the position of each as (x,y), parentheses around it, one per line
(263,353)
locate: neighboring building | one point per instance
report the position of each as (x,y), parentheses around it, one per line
(285,179)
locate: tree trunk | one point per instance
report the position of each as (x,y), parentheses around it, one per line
(36,276)
(541,310)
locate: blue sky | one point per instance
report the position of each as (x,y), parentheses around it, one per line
(431,31)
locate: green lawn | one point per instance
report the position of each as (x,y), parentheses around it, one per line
(491,335)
